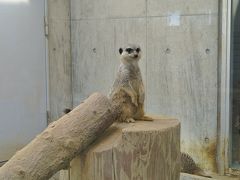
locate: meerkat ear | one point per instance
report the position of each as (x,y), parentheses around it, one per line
(120,50)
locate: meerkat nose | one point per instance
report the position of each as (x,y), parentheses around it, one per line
(135,55)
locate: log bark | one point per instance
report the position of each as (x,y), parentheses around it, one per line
(56,146)
(136,151)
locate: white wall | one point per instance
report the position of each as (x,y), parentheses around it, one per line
(23,98)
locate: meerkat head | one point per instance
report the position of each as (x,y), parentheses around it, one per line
(130,54)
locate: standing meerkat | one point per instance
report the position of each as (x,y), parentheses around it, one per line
(128,89)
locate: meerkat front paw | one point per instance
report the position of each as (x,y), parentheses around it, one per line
(134,101)
(130,120)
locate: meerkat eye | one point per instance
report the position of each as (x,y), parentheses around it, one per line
(138,50)
(129,50)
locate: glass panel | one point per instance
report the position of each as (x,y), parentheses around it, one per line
(235,87)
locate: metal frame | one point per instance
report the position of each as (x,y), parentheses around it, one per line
(224,128)
(46,59)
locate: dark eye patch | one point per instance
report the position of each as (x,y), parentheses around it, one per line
(129,50)
(138,50)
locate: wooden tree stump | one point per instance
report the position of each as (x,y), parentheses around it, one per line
(136,151)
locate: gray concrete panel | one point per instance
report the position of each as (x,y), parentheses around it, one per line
(182,7)
(107,8)
(59,9)
(59,52)
(95,45)
(182,79)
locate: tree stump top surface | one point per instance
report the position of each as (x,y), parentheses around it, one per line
(114,134)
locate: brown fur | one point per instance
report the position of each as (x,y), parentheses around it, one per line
(188,165)
(128,89)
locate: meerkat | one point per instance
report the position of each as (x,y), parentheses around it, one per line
(128,89)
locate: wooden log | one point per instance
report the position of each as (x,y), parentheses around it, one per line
(136,151)
(56,146)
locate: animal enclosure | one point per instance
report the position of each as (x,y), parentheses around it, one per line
(184,54)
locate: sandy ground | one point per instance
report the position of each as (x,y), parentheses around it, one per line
(215,177)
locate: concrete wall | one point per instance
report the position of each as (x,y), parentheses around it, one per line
(179,39)
(60,63)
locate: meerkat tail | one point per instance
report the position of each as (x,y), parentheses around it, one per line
(200,172)
(188,165)
(146,118)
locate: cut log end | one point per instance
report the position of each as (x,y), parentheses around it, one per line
(56,146)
